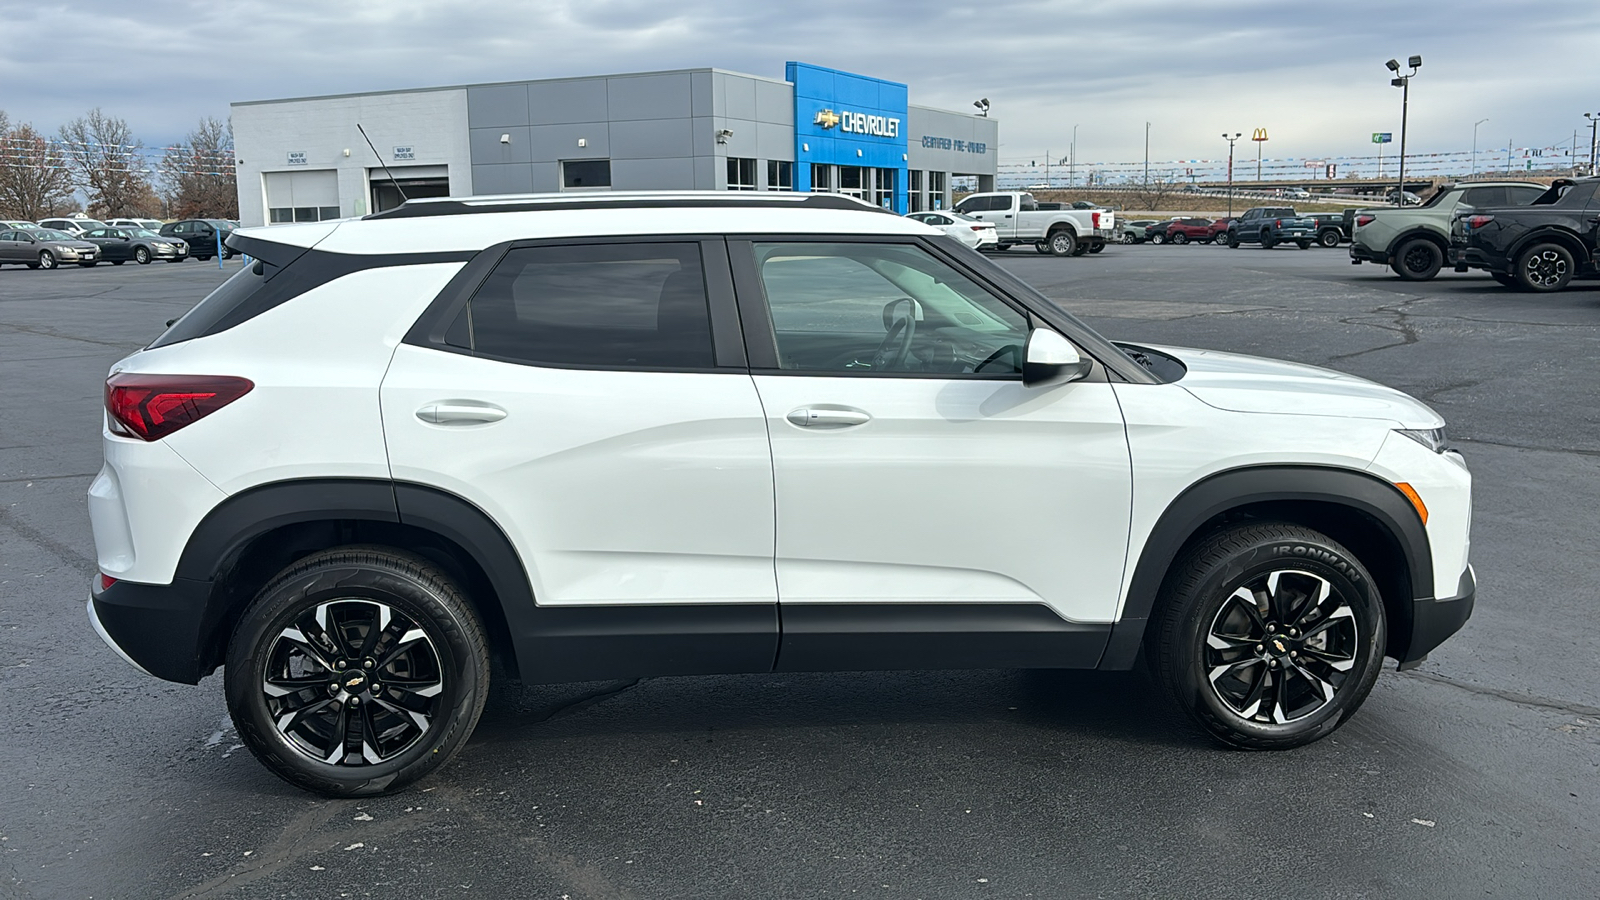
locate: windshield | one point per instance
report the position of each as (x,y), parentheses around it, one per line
(88,224)
(142,233)
(46,234)
(1437,198)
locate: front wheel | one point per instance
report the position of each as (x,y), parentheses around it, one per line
(1303,245)
(141,256)
(1545,267)
(357,671)
(47,260)
(1220,238)
(1270,635)
(1158,238)
(1233,241)
(1062,243)
(1180,238)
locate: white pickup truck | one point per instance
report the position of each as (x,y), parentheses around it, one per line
(1061,232)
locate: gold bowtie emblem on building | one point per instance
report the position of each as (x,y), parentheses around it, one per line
(827,118)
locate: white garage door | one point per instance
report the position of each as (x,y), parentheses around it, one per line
(302,196)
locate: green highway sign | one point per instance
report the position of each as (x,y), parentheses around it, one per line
(1382,137)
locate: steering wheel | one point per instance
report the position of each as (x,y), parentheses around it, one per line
(896,346)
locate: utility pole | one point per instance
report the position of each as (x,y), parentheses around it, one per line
(1594,120)
(1072,159)
(1508,156)
(1230,140)
(1147,156)
(1475,144)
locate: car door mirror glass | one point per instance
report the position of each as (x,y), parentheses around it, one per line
(1052,359)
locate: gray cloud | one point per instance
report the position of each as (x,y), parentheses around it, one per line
(1312,74)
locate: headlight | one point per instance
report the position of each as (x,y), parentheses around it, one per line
(1432,438)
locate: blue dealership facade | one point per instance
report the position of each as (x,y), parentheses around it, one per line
(817,129)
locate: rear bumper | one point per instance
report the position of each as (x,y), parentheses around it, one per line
(1433,620)
(1464,258)
(158,629)
(1361,254)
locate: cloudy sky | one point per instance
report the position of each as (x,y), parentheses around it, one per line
(1311,73)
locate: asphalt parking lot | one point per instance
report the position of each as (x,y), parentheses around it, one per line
(1478,774)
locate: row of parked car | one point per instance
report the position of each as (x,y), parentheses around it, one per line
(85,242)
(1265,225)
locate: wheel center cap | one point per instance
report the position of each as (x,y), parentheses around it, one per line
(354,681)
(1279,645)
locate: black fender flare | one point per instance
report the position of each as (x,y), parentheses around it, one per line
(1549,234)
(1440,240)
(1234,489)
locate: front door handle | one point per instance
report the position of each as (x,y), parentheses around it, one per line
(827,418)
(459,412)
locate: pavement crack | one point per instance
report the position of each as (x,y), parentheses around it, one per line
(1510,446)
(68,555)
(1402,326)
(1577,709)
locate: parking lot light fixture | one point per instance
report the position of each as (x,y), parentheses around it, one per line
(1403,82)
(1594,120)
(1475,144)
(1230,139)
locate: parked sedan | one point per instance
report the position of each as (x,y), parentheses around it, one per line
(146,224)
(202,235)
(45,249)
(73,226)
(118,245)
(974,233)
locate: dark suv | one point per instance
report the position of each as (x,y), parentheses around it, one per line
(1540,247)
(203,236)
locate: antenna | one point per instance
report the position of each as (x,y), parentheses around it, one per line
(398,189)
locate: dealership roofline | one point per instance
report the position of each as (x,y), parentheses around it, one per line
(462,87)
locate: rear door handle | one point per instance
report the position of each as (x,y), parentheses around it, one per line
(827,418)
(460,413)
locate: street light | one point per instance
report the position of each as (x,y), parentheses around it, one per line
(1475,144)
(983,107)
(1230,139)
(1072,160)
(1594,119)
(1147,156)
(1403,82)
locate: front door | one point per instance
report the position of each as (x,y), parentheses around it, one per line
(932,510)
(578,401)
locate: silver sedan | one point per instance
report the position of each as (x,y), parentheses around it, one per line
(45,249)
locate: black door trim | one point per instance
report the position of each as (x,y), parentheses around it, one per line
(846,637)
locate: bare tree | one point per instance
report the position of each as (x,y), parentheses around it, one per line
(197,175)
(1155,192)
(35,178)
(107,162)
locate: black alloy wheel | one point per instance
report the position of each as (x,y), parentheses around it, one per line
(1267,243)
(1233,241)
(1270,635)
(1418,259)
(141,255)
(1062,242)
(1041,247)
(1545,267)
(47,260)
(1330,238)
(1096,248)
(357,671)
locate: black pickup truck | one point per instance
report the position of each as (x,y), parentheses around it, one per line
(1540,247)
(1331,228)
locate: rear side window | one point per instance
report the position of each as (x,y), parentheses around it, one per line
(599,305)
(1485,196)
(1522,196)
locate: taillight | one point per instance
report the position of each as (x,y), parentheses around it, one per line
(106,581)
(981,227)
(1478,221)
(1278,224)
(150,407)
(1365,220)
(1094,219)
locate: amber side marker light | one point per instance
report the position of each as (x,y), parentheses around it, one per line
(1415,498)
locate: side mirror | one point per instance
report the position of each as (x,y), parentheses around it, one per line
(1051,359)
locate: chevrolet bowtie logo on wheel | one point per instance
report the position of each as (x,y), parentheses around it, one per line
(827,118)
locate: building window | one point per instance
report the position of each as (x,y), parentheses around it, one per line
(914,199)
(585,174)
(937,198)
(780,175)
(741,174)
(279,215)
(851,182)
(821,178)
(883,188)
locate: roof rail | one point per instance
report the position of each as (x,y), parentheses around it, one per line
(412,209)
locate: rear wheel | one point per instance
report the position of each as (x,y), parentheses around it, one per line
(357,671)
(1330,238)
(1097,248)
(1418,259)
(1545,267)
(1062,243)
(1270,635)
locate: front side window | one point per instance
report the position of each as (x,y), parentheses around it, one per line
(602,305)
(866,308)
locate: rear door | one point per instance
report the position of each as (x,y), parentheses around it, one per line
(932,511)
(580,396)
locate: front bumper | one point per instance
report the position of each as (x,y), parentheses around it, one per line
(159,629)
(1433,620)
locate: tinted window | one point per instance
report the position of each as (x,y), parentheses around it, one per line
(846,308)
(1484,196)
(586,173)
(1522,196)
(611,305)
(982,204)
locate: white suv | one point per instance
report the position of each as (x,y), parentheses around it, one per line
(655,434)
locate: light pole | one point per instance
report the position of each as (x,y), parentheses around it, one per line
(1403,82)
(1072,160)
(1475,144)
(1594,120)
(1147,156)
(1230,139)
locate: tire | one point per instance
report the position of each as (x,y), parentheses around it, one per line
(1233,241)
(1001,248)
(1158,239)
(228,253)
(118,262)
(1417,259)
(1544,268)
(1329,239)
(1221,237)
(1127,238)
(1303,245)
(1062,242)
(1292,691)
(1267,243)
(355,588)
(1180,238)
(1097,248)
(1042,247)
(47,260)
(141,255)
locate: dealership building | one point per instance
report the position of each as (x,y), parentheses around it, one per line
(818,129)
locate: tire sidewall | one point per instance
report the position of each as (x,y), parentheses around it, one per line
(1062,243)
(289,597)
(1409,274)
(1308,554)
(1522,268)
